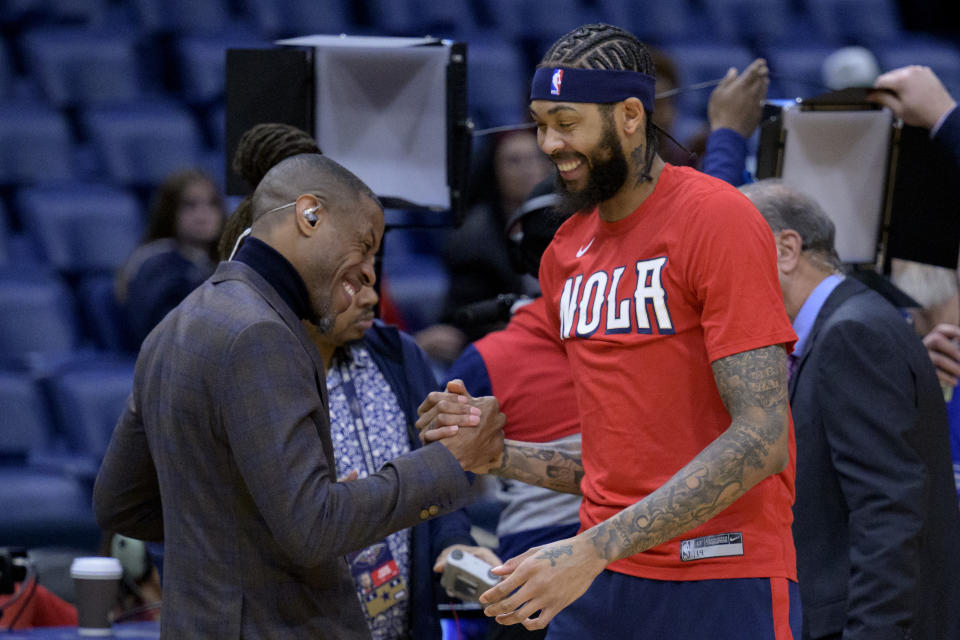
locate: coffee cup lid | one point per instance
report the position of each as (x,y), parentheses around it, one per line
(96,567)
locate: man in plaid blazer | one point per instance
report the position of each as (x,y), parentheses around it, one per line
(224,448)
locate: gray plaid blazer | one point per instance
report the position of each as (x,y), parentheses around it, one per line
(224,452)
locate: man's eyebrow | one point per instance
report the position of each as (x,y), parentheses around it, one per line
(554,109)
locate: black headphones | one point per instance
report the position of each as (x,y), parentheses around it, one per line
(530,229)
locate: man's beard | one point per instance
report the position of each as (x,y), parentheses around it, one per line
(324,323)
(323,317)
(605,178)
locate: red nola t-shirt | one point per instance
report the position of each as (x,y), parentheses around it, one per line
(643,306)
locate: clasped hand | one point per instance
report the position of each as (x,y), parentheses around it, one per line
(471,428)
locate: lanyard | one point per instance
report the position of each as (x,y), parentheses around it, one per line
(356,414)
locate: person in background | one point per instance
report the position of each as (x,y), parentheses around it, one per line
(476,252)
(525,367)
(849,67)
(376,378)
(876,517)
(916,95)
(734,111)
(937,320)
(179,250)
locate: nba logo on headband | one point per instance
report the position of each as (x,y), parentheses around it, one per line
(556,81)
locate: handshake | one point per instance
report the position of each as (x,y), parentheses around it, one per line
(471,428)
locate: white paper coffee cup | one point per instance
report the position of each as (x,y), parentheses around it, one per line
(95,581)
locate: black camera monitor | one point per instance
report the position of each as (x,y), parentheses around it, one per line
(392,110)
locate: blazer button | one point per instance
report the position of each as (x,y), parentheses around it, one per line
(424,514)
(434,509)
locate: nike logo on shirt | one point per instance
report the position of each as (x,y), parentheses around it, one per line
(583,250)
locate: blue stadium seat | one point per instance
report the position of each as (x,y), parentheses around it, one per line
(203,64)
(104,320)
(656,22)
(392,17)
(86,11)
(37,315)
(45,509)
(699,63)
(143,143)
(301,17)
(537,20)
(35,144)
(498,83)
(88,397)
(7,75)
(78,66)
(865,22)
(754,22)
(82,227)
(942,57)
(418,286)
(450,19)
(184,16)
(216,126)
(797,71)
(26,426)
(4,237)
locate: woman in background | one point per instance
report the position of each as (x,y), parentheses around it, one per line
(179,250)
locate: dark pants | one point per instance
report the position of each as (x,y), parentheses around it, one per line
(622,607)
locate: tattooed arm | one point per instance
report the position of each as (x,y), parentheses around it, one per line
(753,386)
(555,465)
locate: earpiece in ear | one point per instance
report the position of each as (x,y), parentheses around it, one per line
(310,215)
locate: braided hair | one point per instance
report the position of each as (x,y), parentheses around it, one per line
(264,145)
(604,46)
(260,148)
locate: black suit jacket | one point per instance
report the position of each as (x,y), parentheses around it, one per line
(876,521)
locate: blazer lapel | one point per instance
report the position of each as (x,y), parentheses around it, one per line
(837,297)
(239,271)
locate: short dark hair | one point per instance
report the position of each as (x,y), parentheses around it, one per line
(307,173)
(785,207)
(604,46)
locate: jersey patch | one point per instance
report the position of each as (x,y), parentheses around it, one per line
(715,546)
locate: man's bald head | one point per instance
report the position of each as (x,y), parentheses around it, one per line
(310,173)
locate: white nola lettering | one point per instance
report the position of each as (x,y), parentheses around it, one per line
(582,303)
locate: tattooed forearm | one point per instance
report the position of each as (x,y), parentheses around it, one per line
(555,465)
(753,386)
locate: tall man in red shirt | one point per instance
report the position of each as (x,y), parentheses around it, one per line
(664,292)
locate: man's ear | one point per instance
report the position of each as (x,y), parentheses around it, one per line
(309,212)
(789,250)
(634,116)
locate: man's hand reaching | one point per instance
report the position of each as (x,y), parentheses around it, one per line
(471,428)
(737,102)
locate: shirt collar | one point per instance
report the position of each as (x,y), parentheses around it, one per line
(803,323)
(278,271)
